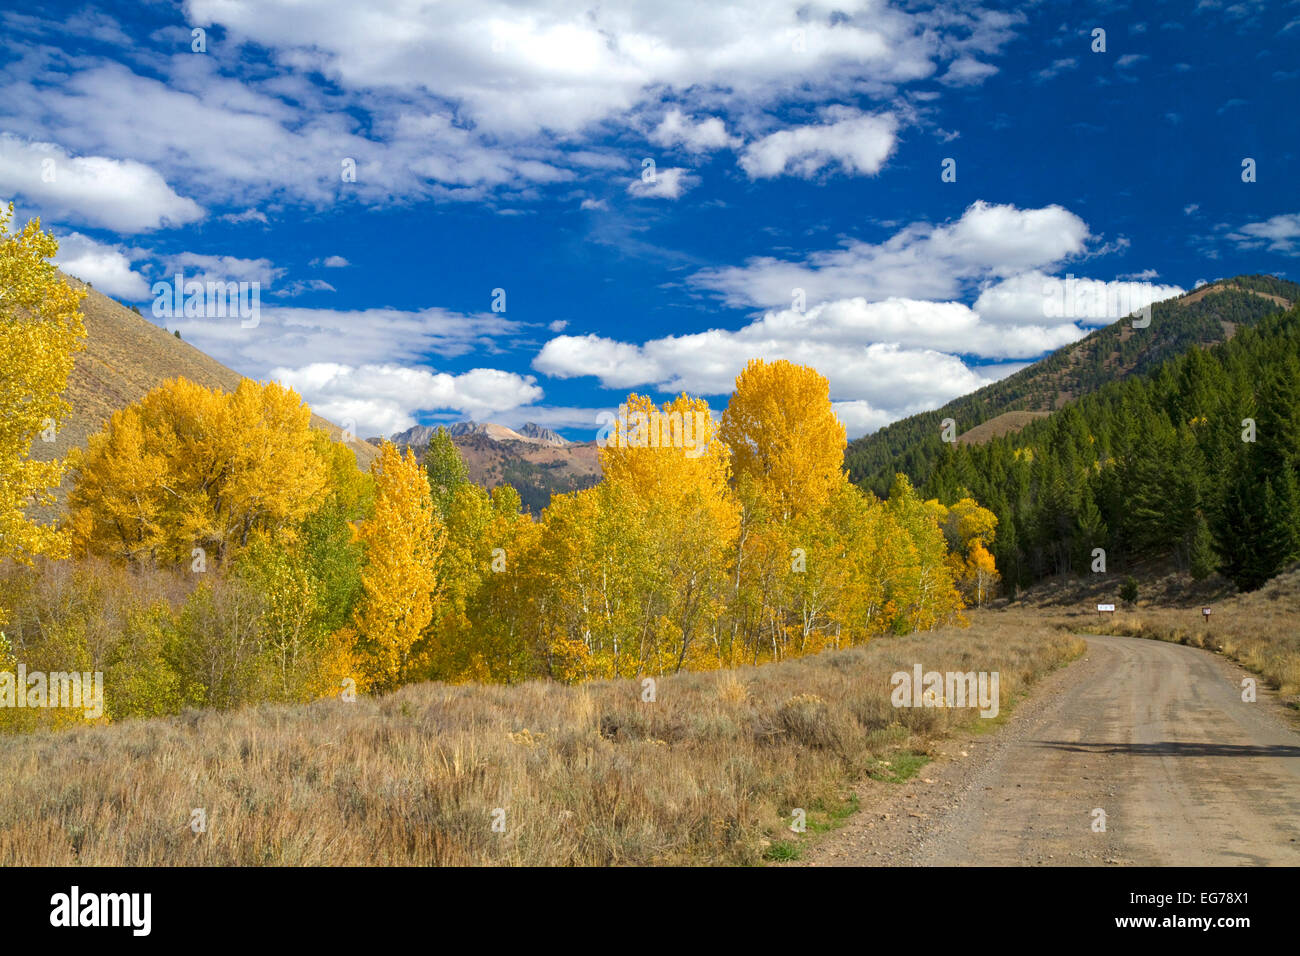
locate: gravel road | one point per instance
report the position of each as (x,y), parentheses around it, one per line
(1154,734)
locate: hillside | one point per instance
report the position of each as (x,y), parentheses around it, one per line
(536,461)
(1008,423)
(1203,317)
(1197,459)
(126,356)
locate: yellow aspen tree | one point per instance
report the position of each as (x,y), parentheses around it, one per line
(966,523)
(670,461)
(787,458)
(189,468)
(981,573)
(923,584)
(402,541)
(40,331)
(784,435)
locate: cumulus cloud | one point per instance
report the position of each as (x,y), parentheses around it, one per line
(483,100)
(920,261)
(1036,297)
(855,142)
(1056,69)
(381,399)
(967,71)
(886,375)
(122,195)
(209,268)
(295,337)
(107,267)
(671,183)
(568,64)
(677,129)
(899,347)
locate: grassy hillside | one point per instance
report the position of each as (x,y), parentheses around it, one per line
(126,356)
(1204,317)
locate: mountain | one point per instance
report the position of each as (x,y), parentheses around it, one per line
(125,357)
(535,460)
(1195,461)
(1201,318)
(543,434)
(418,436)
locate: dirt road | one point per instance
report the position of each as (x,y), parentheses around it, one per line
(1155,735)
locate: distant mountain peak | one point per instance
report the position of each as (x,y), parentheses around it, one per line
(419,436)
(543,434)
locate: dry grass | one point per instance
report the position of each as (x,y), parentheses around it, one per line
(587,775)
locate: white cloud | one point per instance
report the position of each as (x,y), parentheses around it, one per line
(677,129)
(889,377)
(967,71)
(335,262)
(381,399)
(106,267)
(858,143)
(476,99)
(594,204)
(860,418)
(1278,234)
(1034,297)
(881,321)
(920,261)
(564,64)
(248,215)
(122,195)
(207,268)
(1056,69)
(671,183)
(294,337)
(300,286)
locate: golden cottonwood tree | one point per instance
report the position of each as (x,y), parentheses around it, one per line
(189,468)
(40,332)
(680,481)
(403,541)
(784,436)
(970,529)
(922,584)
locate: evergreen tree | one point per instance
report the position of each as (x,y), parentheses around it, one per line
(445,469)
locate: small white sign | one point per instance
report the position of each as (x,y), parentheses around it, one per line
(1105,607)
(1205,611)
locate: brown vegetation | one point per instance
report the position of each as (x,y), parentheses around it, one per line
(586,775)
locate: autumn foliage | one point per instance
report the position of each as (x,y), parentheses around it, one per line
(40,332)
(251,560)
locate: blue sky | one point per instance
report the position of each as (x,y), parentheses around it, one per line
(795,207)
